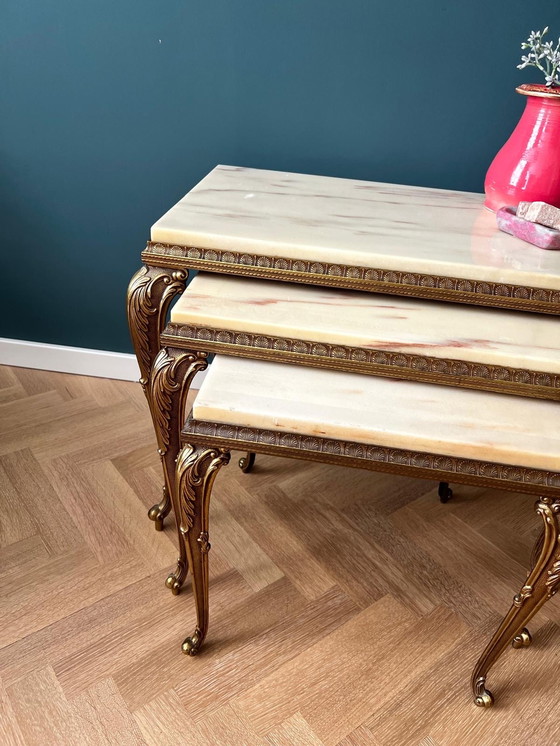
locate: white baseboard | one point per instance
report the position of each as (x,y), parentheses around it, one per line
(78,360)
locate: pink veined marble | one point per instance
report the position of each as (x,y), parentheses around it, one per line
(541,213)
(528,166)
(539,235)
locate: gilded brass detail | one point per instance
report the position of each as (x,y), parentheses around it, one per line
(553,578)
(429,369)
(375,280)
(203,541)
(382,458)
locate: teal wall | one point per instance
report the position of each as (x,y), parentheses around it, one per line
(113,109)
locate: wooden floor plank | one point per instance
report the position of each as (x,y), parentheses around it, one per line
(43,713)
(164,722)
(10,732)
(41,502)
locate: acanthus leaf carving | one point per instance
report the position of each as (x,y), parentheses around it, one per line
(196,469)
(149,293)
(172,373)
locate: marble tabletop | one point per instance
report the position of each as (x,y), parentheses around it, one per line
(355,223)
(367,320)
(348,406)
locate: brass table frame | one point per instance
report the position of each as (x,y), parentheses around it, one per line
(364,360)
(372,280)
(206,448)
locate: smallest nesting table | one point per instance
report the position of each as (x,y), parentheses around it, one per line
(348,419)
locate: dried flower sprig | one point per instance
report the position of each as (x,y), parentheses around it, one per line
(545,51)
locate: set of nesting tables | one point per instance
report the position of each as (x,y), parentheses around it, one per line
(371,325)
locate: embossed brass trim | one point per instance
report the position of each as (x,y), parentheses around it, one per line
(428,369)
(376,280)
(381,458)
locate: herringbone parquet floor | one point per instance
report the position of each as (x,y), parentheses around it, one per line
(347,607)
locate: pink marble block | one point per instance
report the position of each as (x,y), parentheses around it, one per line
(538,235)
(540,212)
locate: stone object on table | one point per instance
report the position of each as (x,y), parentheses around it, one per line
(541,213)
(534,233)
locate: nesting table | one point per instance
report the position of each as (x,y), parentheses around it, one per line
(444,328)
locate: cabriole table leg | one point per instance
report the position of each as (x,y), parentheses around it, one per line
(150,292)
(197,468)
(542,583)
(172,374)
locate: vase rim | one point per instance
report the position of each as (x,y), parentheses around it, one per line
(538,89)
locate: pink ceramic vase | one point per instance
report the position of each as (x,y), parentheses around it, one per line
(527,168)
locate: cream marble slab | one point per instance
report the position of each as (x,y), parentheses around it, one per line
(388,323)
(362,223)
(382,411)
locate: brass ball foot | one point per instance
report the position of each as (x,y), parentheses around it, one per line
(188,647)
(154,514)
(175,579)
(191,645)
(247,462)
(522,640)
(173,584)
(484,699)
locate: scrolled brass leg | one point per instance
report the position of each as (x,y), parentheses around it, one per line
(246,463)
(196,470)
(541,584)
(150,292)
(172,374)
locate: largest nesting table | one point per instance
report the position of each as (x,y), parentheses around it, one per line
(428,245)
